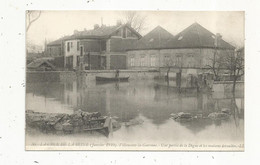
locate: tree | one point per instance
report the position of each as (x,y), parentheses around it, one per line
(134,19)
(215,64)
(234,63)
(31,17)
(215,61)
(168,63)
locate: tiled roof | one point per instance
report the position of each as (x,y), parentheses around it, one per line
(37,63)
(196,36)
(58,41)
(100,32)
(155,39)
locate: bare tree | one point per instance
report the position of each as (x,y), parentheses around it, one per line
(234,63)
(215,64)
(31,17)
(134,19)
(169,63)
(215,61)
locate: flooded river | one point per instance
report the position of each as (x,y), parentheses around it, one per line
(151,101)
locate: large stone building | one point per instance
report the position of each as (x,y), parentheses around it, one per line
(101,48)
(121,47)
(192,50)
(145,54)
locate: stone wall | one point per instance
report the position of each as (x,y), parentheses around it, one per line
(41,76)
(117,62)
(227,86)
(90,75)
(133,74)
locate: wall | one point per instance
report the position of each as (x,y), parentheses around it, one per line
(227,86)
(58,62)
(91,45)
(40,76)
(53,51)
(117,62)
(138,54)
(133,74)
(188,58)
(121,44)
(90,75)
(95,61)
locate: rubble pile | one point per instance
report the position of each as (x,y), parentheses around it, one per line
(224,114)
(67,123)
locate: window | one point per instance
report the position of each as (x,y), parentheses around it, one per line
(132,61)
(137,62)
(71,44)
(191,62)
(68,46)
(77,45)
(167,60)
(77,60)
(124,33)
(142,61)
(179,60)
(103,45)
(153,61)
(81,51)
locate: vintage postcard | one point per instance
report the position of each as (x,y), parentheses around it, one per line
(135,80)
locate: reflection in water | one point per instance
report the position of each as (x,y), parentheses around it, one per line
(133,99)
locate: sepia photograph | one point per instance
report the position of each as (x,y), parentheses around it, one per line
(134,80)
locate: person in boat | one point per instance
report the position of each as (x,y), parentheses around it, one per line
(117,73)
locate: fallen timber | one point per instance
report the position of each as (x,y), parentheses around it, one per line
(80,121)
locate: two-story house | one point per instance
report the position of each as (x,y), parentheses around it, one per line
(103,47)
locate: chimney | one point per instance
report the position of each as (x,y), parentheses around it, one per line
(85,29)
(76,31)
(217,38)
(96,26)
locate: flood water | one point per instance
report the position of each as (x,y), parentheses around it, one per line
(149,100)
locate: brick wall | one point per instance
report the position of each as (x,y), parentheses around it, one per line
(117,62)
(95,61)
(53,51)
(121,45)
(91,45)
(58,62)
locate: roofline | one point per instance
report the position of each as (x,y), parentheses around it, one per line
(179,48)
(54,44)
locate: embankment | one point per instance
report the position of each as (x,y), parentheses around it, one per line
(90,75)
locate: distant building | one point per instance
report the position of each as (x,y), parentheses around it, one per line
(40,65)
(101,48)
(56,48)
(192,50)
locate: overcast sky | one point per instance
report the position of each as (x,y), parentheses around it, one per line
(55,24)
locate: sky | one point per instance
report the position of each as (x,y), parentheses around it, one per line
(54,24)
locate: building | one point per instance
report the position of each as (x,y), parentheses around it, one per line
(192,50)
(56,48)
(40,65)
(54,51)
(100,48)
(145,54)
